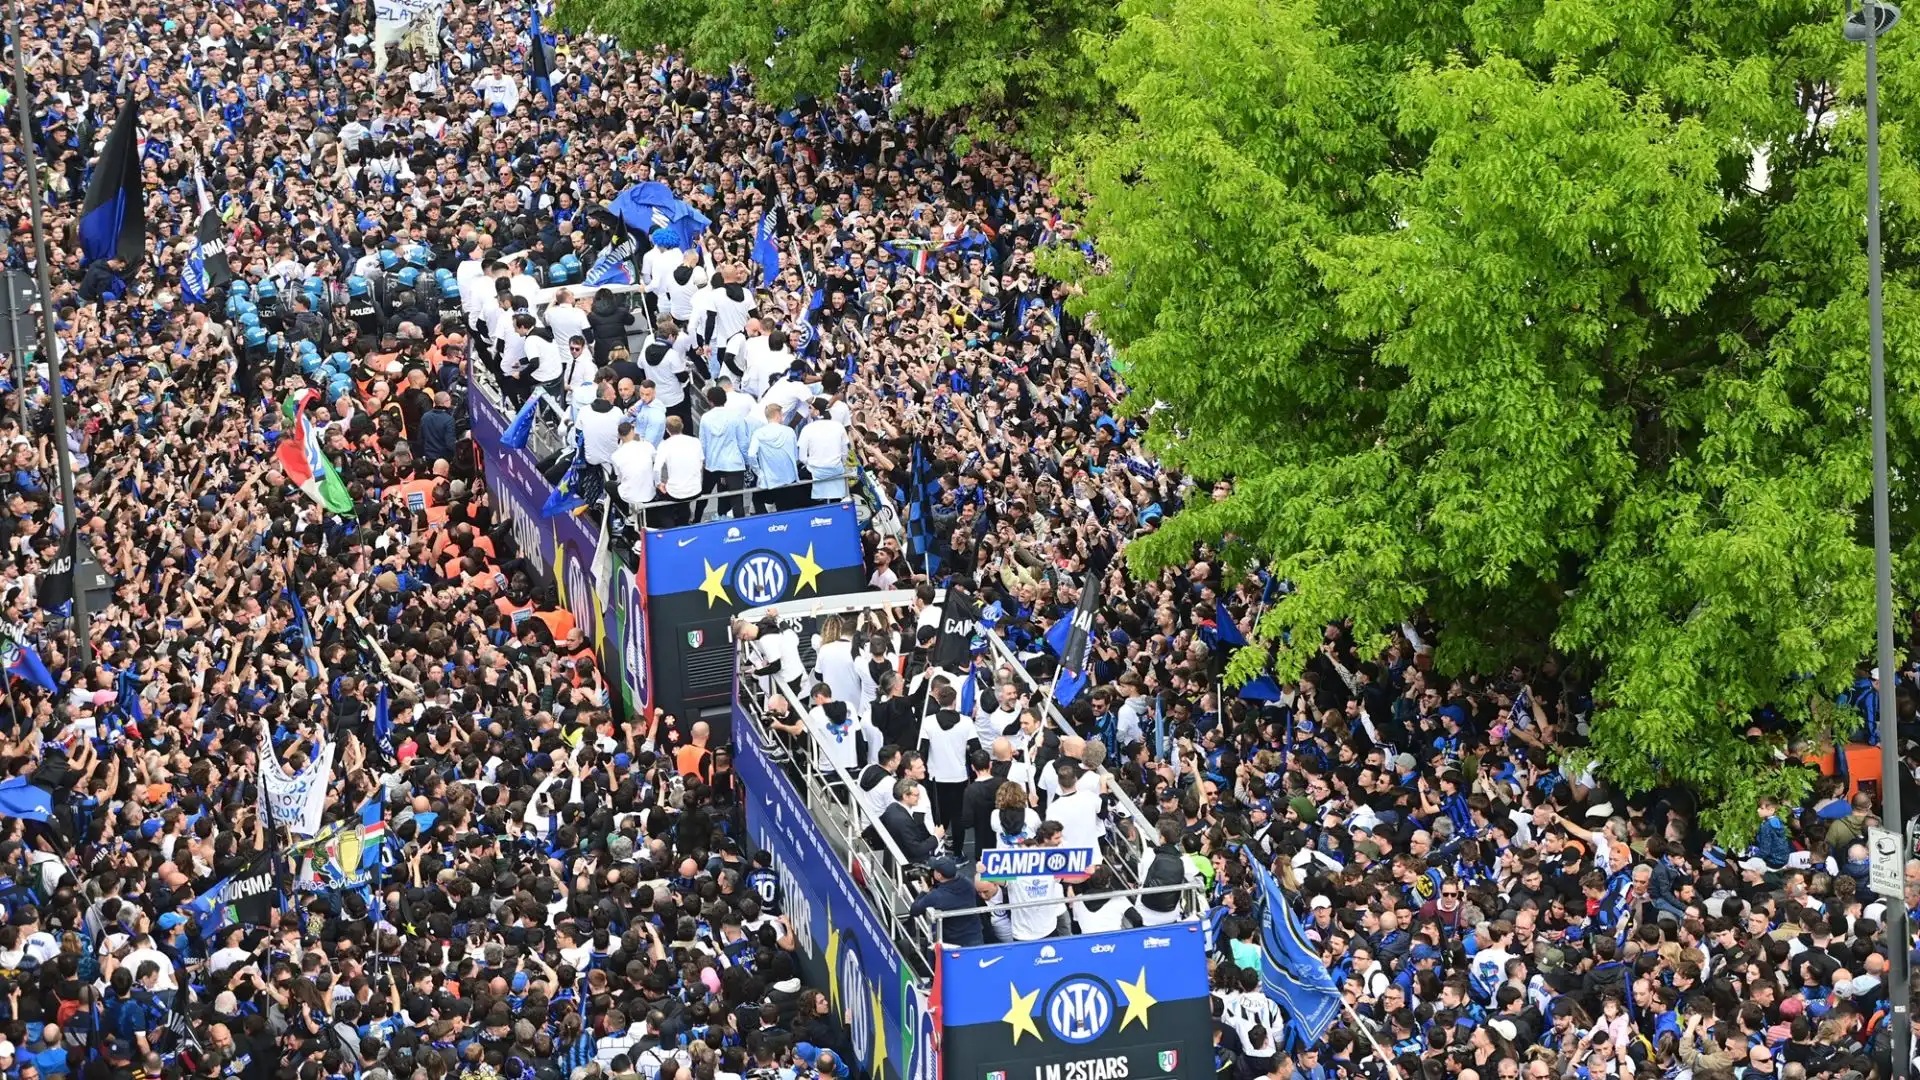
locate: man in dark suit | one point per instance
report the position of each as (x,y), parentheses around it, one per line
(907,827)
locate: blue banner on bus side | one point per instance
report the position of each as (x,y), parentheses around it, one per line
(563,548)
(1001,864)
(843,945)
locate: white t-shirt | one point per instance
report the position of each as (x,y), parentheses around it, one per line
(600,433)
(1079,815)
(1040,920)
(567,322)
(633,465)
(680,464)
(842,749)
(947,748)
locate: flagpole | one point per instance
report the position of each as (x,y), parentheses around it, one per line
(48,345)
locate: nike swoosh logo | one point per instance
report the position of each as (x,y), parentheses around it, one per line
(688,540)
(990,962)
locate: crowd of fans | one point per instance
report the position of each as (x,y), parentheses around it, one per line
(567,892)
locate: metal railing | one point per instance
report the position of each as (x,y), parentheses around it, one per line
(937,917)
(839,807)
(840,811)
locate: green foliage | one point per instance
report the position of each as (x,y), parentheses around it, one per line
(991,59)
(1483,309)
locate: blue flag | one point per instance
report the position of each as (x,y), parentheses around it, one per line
(1225,630)
(614,266)
(113,220)
(652,206)
(565,498)
(303,630)
(23,662)
(969,694)
(1290,973)
(520,429)
(766,250)
(383,722)
(1260,688)
(19,799)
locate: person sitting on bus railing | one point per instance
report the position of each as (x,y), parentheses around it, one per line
(910,834)
(1166,864)
(951,892)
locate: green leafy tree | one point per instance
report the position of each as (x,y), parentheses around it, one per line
(1545,318)
(991,59)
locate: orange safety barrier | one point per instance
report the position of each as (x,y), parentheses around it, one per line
(1863,765)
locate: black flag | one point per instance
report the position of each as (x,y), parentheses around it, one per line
(959,622)
(1073,650)
(56,591)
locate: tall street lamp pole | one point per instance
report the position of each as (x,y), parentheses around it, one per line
(49,348)
(1866,24)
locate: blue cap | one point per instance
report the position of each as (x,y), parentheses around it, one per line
(519,982)
(150,828)
(171,920)
(621,761)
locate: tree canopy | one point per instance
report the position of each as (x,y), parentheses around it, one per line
(1546,318)
(993,59)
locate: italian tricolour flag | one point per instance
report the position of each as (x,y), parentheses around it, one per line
(300,456)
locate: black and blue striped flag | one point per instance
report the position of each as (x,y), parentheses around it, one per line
(113,220)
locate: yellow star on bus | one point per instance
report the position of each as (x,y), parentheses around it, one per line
(809,571)
(1020,1013)
(1138,1001)
(714,584)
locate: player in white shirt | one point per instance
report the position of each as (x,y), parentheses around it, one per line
(1077,808)
(682,285)
(567,317)
(599,425)
(633,467)
(681,467)
(656,269)
(665,358)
